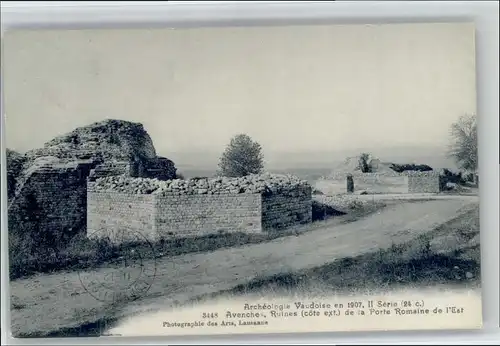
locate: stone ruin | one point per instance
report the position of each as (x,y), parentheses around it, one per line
(196,207)
(48,193)
(385,178)
(107,176)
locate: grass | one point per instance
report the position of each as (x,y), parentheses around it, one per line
(418,263)
(84,253)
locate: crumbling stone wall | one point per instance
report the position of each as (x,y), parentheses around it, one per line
(389,183)
(15,162)
(196,207)
(159,168)
(377,183)
(52,203)
(106,148)
(423,182)
(110,168)
(384,182)
(108,139)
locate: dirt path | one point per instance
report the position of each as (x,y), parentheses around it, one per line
(47,303)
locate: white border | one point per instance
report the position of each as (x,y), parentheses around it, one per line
(72,14)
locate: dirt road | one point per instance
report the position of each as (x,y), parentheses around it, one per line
(48,303)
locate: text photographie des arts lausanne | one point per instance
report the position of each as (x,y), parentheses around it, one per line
(242,180)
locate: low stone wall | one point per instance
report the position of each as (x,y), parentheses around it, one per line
(121,217)
(368,176)
(286,209)
(423,182)
(364,182)
(389,183)
(200,215)
(197,207)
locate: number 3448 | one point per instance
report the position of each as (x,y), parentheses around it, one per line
(209,315)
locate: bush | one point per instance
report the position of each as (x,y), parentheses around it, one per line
(447,176)
(400,168)
(364,163)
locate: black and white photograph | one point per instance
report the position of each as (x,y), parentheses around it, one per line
(244,179)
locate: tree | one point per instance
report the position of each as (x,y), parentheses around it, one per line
(242,156)
(463,148)
(364,163)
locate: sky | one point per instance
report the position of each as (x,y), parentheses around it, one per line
(291,88)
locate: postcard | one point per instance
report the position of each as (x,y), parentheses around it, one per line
(236,180)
